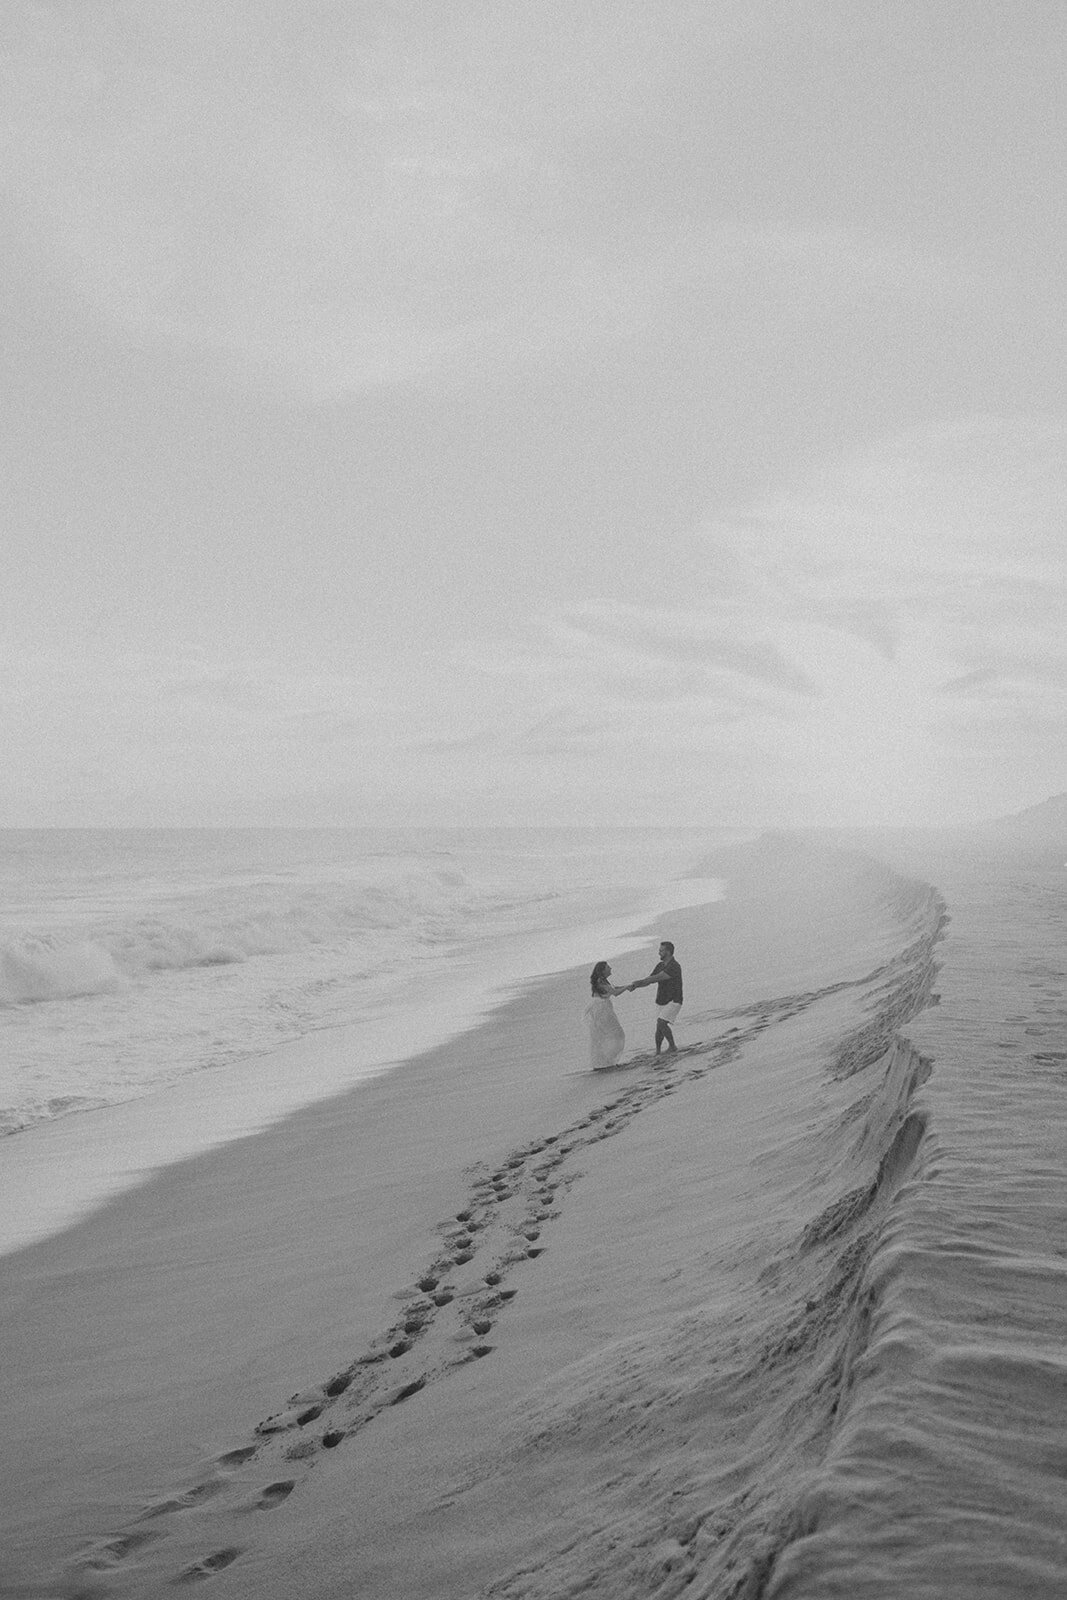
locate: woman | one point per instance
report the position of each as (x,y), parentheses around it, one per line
(606,1037)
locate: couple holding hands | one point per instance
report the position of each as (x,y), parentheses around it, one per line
(606,1038)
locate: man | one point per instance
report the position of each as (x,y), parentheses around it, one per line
(667,976)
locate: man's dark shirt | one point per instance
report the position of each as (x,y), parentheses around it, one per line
(670,984)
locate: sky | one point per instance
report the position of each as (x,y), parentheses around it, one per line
(462,411)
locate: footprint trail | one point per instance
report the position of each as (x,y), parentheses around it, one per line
(450,1316)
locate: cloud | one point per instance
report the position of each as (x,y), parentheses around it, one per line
(845,646)
(970,682)
(848,632)
(484,739)
(953,527)
(875,622)
(226,689)
(347,200)
(616,677)
(126,703)
(1031,677)
(941,552)
(356,200)
(664,638)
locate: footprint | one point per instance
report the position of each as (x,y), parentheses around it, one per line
(275,1493)
(407,1391)
(209,1566)
(116,1550)
(181,1502)
(279,1423)
(532,1176)
(302,1450)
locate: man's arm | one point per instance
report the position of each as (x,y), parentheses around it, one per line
(653,977)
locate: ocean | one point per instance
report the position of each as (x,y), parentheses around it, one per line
(133,962)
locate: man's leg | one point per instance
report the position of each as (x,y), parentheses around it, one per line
(667,1035)
(661,1030)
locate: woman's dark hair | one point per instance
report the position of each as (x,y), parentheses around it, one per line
(598,976)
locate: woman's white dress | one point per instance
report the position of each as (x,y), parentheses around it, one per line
(606,1038)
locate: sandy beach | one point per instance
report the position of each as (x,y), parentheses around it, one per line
(493,1324)
(490,490)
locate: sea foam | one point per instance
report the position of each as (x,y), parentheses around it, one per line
(129,961)
(40,968)
(266,920)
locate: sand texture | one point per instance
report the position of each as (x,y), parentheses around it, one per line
(727,1324)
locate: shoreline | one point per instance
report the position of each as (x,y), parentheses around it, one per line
(55,1173)
(188,1308)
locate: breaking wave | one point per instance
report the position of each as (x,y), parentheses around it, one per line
(50,965)
(38,969)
